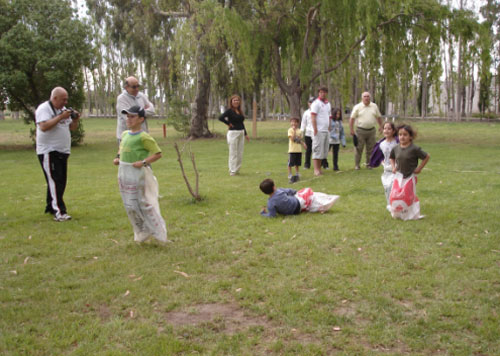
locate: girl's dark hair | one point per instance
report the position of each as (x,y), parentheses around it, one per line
(393,127)
(267,186)
(409,129)
(334,114)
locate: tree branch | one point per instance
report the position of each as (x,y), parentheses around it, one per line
(352,48)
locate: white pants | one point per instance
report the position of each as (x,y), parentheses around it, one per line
(235,141)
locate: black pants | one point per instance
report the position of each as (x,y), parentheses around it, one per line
(55,168)
(307,164)
(335,152)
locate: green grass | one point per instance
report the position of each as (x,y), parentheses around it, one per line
(281,286)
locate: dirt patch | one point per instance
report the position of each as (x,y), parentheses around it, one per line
(230,318)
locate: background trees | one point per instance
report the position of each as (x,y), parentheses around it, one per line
(42,45)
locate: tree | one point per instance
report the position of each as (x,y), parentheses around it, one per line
(42,45)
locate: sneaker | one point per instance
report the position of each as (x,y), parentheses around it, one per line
(63,217)
(356,168)
(296,178)
(306,166)
(291,179)
(335,168)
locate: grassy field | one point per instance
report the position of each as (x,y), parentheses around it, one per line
(352,281)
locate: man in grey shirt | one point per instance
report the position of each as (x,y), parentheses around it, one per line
(131,97)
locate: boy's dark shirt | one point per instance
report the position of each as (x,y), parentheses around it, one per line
(407,158)
(283,202)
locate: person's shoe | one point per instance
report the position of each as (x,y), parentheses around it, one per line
(335,168)
(306,166)
(63,217)
(296,178)
(356,168)
(369,167)
(291,179)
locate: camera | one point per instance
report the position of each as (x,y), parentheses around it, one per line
(73,114)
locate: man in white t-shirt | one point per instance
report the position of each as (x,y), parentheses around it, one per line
(366,115)
(53,147)
(131,96)
(320,120)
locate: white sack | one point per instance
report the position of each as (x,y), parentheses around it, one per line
(139,191)
(315,201)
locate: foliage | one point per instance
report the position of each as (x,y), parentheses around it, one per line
(178,115)
(42,45)
(352,281)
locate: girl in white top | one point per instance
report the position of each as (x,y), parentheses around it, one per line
(386,147)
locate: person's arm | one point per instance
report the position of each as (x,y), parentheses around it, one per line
(148,106)
(393,164)
(351,125)
(314,123)
(246,134)
(422,165)
(148,160)
(50,123)
(74,122)
(342,134)
(270,213)
(303,123)
(380,126)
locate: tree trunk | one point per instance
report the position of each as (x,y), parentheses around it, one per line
(199,123)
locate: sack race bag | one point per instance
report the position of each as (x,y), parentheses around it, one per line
(139,191)
(315,202)
(387,179)
(403,199)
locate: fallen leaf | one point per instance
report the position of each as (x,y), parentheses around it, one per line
(26,259)
(440,243)
(116,242)
(95,257)
(486,232)
(227,212)
(29,237)
(344,301)
(294,236)
(238,290)
(459,256)
(359,249)
(336,328)
(132,276)
(294,330)
(13,272)
(184,274)
(138,279)
(132,314)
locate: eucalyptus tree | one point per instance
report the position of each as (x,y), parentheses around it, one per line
(310,39)
(490,54)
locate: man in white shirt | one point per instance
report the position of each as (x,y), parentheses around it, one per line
(53,147)
(131,97)
(366,115)
(320,120)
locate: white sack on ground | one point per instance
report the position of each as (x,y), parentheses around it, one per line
(315,201)
(139,191)
(403,199)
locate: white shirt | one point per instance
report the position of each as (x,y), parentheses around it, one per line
(386,148)
(58,138)
(126,101)
(323,112)
(306,124)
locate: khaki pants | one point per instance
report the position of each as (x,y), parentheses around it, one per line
(235,141)
(368,138)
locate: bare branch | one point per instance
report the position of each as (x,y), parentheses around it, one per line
(195,195)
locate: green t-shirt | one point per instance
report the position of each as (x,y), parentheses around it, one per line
(137,146)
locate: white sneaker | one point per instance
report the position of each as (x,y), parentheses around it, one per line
(63,217)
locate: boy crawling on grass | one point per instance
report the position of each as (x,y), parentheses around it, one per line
(287,201)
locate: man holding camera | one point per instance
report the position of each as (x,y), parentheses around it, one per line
(53,147)
(131,97)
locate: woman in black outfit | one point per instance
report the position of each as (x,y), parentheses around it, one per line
(233,118)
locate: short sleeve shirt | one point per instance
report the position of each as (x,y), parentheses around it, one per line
(386,148)
(322,110)
(294,146)
(407,158)
(366,115)
(58,138)
(137,146)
